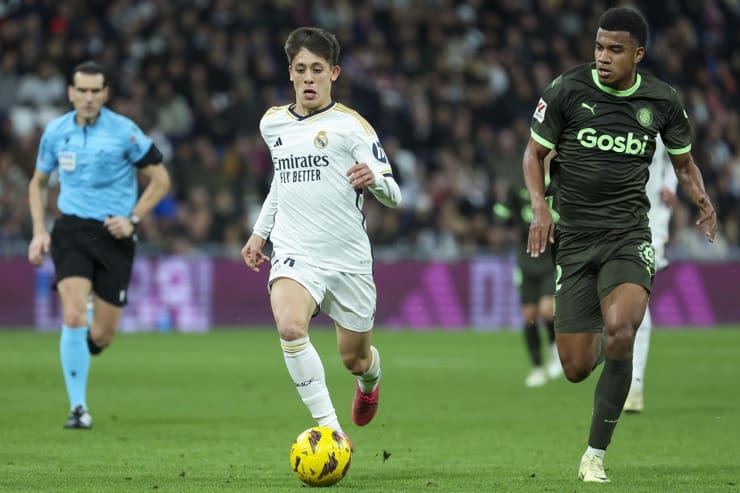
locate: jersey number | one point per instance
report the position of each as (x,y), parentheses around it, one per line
(558,278)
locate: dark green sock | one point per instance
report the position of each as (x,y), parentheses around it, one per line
(611,392)
(532,338)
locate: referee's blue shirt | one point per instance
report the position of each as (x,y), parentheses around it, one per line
(97,163)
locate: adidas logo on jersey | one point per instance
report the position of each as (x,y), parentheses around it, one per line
(278,142)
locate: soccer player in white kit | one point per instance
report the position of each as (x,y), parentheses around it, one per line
(324,155)
(661,190)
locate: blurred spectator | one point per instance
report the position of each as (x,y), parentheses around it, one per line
(174,116)
(41,96)
(450,87)
(9,80)
(13,204)
(431,239)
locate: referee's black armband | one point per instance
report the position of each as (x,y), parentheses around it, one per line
(152,156)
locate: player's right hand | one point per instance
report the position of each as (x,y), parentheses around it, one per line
(38,247)
(541,231)
(252,253)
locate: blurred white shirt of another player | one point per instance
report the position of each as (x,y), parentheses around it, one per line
(661,191)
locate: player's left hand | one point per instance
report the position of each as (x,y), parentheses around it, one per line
(707,218)
(120,227)
(360,175)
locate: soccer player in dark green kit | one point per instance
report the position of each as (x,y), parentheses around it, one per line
(602,119)
(535,280)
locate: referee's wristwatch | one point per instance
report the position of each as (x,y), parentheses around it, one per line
(135,220)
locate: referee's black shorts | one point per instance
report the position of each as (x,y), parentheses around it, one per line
(84,248)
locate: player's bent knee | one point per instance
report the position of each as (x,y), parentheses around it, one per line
(576,372)
(75,319)
(99,340)
(292,332)
(619,343)
(354,363)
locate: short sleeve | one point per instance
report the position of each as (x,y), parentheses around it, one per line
(677,132)
(547,120)
(138,143)
(365,147)
(46,160)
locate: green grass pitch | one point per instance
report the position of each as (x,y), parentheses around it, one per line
(217,413)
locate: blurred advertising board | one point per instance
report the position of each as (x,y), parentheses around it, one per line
(193,294)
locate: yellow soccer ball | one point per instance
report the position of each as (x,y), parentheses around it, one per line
(321,456)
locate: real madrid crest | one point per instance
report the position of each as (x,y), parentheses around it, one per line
(321,140)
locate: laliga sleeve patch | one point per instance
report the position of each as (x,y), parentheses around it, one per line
(539,112)
(379,153)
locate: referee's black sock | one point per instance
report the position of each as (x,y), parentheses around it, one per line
(92,347)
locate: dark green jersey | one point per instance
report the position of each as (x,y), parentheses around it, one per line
(605,141)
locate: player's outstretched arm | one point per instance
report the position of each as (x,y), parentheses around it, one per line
(691,181)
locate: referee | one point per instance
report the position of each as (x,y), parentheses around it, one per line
(98,154)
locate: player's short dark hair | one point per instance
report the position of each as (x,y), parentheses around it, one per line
(626,19)
(90,68)
(314,39)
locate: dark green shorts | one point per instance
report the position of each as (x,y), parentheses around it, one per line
(535,277)
(589,265)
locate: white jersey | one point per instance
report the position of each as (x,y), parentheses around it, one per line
(311,211)
(662,176)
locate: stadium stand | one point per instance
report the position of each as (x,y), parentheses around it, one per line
(449,85)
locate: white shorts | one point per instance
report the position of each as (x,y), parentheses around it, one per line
(348,299)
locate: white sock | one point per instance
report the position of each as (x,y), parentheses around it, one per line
(639,357)
(305,367)
(370,379)
(595,451)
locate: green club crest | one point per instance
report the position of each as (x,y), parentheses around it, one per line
(647,254)
(645,117)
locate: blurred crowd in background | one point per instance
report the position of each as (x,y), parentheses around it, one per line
(449,85)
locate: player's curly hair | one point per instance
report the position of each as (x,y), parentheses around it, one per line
(626,19)
(314,39)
